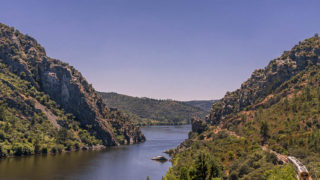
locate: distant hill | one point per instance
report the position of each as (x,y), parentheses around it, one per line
(146,111)
(205,105)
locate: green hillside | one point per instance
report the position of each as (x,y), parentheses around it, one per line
(47,106)
(24,124)
(202,104)
(277,109)
(146,111)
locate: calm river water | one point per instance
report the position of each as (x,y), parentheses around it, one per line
(117,163)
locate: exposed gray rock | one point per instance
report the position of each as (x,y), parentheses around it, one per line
(65,85)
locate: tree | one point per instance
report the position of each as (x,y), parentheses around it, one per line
(264,131)
(201,167)
(286,104)
(215,170)
(184,173)
(307,94)
(205,167)
(62,136)
(318,93)
(2,113)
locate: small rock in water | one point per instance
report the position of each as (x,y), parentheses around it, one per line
(160,158)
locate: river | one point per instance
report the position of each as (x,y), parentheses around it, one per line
(131,162)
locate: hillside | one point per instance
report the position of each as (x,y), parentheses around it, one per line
(146,111)
(277,108)
(202,104)
(48,106)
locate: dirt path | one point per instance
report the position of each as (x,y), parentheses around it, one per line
(281,158)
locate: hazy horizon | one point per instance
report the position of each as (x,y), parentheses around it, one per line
(169,49)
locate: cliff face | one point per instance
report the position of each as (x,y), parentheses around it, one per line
(66,86)
(263,81)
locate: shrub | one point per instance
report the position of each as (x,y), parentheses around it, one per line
(4,150)
(22,149)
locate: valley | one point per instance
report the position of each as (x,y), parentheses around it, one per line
(150,90)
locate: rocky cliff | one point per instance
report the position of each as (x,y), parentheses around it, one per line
(66,86)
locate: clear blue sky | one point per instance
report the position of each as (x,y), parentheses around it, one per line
(177,49)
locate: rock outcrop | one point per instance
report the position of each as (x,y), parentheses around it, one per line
(66,86)
(198,125)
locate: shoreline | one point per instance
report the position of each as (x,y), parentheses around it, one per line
(83,148)
(92,148)
(162,125)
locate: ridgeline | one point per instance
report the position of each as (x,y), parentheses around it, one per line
(147,111)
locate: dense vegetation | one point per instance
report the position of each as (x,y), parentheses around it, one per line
(226,157)
(26,130)
(202,104)
(146,111)
(285,119)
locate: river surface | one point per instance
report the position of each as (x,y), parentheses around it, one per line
(117,163)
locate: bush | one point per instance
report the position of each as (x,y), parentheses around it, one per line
(286,172)
(4,150)
(22,149)
(271,157)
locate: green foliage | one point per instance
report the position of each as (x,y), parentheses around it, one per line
(205,105)
(200,168)
(203,167)
(286,172)
(22,149)
(145,111)
(264,131)
(291,123)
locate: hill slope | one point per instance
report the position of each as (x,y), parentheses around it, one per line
(277,108)
(146,111)
(205,105)
(43,98)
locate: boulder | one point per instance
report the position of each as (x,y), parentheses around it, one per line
(159,158)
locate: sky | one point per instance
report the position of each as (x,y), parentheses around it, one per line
(165,49)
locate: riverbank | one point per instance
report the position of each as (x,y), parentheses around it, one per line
(118,162)
(59,151)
